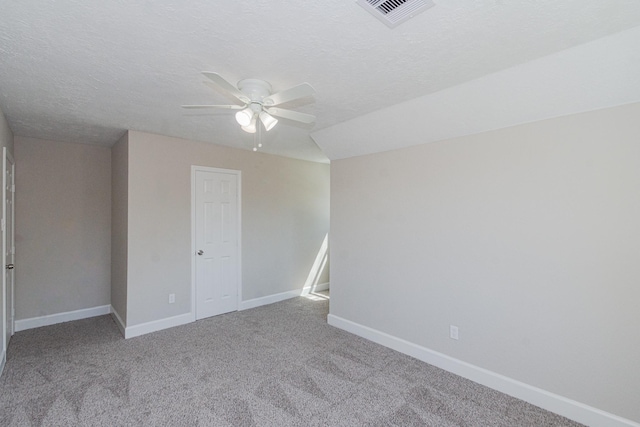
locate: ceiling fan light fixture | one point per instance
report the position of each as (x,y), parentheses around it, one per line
(244,117)
(268,120)
(251,127)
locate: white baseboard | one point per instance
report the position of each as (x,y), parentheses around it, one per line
(321,287)
(52,319)
(157,325)
(3,361)
(118,320)
(270,299)
(552,402)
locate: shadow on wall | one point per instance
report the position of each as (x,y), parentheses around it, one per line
(311,285)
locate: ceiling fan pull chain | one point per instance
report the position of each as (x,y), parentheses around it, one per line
(255,138)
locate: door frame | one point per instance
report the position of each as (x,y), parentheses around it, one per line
(238,175)
(7,161)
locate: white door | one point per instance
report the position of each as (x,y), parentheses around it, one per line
(8,245)
(216,240)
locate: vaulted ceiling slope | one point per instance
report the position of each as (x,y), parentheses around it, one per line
(87,70)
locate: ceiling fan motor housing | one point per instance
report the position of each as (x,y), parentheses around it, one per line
(255,89)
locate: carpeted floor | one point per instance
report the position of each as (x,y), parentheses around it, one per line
(276,365)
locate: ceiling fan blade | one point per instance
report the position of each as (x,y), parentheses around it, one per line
(227,107)
(215,87)
(300,91)
(226,86)
(291,115)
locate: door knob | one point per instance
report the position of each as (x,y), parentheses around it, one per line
(200,252)
(10,266)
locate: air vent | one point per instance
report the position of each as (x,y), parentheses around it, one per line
(394,12)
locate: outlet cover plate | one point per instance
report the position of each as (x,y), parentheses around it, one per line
(453,332)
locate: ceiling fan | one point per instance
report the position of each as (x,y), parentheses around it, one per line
(259,103)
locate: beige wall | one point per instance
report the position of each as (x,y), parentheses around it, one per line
(63,235)
(526,238)
(119,225)
(285,216)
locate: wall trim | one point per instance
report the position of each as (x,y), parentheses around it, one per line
(571,409)
(157,325)
(118,321)
(52,319)
(3,362)
(270,299)
(148,327)
(321,287)
(182,319)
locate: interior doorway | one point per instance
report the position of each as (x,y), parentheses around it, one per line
(216,196)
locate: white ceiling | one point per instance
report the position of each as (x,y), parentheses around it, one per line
(87,70)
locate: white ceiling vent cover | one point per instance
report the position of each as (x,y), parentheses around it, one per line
(394,12)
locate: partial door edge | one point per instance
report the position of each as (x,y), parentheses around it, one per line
(7,297)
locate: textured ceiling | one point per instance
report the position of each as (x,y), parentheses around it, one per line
(87,70)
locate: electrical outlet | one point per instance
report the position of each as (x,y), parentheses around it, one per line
(172,298)
(453,332)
